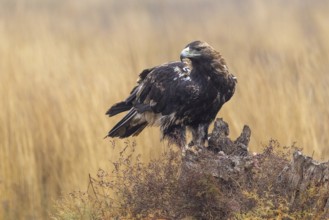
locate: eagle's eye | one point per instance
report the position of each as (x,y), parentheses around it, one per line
(198,48)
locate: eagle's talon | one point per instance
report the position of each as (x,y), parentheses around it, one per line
(184,149)
(195,150)
(183,153)
(191,144)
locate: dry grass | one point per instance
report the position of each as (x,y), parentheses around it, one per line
(63,63)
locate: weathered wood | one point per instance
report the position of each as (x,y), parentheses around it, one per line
(303,181)
(219,140)
(224,158)
(305,177)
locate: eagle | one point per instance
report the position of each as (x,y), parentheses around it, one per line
(179,96)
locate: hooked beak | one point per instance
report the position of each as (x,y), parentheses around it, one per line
(187,53)
(184,53)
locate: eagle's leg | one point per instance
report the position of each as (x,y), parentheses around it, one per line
(176,134)
(199,136)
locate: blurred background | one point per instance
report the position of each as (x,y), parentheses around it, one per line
(63,63)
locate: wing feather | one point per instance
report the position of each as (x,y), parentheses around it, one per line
(124,121)
(164,86)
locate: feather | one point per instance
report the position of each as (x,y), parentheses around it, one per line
(120,128)
(118,108)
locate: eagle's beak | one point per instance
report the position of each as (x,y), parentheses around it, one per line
(187,53)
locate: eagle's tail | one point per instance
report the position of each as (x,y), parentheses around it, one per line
(118,108)
(129,125)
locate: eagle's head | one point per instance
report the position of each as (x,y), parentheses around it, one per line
(199,51)
(204,57)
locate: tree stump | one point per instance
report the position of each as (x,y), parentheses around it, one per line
(306,181)
(302,181)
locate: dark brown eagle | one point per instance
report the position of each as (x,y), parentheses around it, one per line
(177,96)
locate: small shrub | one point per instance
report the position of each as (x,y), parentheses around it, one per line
(166,189)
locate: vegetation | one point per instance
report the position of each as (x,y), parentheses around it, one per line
(63,63)
(168,189)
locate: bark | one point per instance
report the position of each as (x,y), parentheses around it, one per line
(303,181)
(307,182)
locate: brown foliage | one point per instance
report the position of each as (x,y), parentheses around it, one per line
(206,185)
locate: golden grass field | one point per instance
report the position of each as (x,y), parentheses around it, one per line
(64,63)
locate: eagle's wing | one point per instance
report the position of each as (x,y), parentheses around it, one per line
(128,103)
(165,88)
(161,91)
